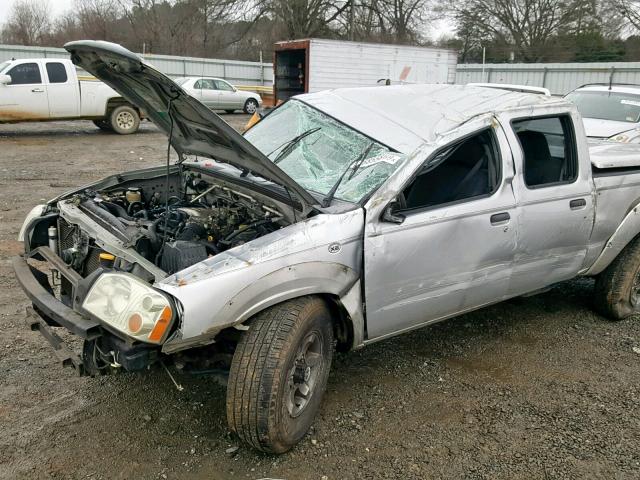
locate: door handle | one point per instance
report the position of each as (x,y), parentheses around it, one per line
(37,90)
(577,203)
(500,218)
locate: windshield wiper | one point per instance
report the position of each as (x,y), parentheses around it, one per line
(289,146)
(356,164)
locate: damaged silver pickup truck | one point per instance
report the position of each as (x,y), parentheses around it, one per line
(342,218)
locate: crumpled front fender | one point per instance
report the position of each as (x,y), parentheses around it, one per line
(322,255)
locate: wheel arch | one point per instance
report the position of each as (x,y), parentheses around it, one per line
(344,300)
(628,229)
(115,102)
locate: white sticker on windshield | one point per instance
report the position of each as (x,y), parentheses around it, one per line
(388,157)
(630,102)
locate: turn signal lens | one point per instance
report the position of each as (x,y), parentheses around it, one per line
(161,325)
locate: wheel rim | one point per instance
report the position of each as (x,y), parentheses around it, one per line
(251,107)
(125,120)
(303,377)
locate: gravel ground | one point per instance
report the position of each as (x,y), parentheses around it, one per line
(539,387)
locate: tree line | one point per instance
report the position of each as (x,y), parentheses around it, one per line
(501,30)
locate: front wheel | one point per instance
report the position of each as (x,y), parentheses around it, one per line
(124,120)
(279,373)
(617,293)
(251,106)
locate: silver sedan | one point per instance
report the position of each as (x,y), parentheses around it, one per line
(218,94)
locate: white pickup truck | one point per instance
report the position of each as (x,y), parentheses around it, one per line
(53,89)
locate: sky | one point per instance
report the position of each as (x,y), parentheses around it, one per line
(56,6)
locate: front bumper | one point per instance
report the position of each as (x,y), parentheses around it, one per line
(53,313)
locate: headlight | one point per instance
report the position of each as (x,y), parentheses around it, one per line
(35,212)
(131,306)
(632,136)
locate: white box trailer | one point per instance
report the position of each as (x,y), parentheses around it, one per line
(312,65)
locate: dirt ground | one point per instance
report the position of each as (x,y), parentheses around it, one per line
(539,387)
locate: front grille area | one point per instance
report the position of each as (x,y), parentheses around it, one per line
(65,235)
(93,261)
(67,238)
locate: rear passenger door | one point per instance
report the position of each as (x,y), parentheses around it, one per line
(554,201)
(209,95)
(62,91)
(25,97)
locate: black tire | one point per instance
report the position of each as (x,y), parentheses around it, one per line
(251,106)
(262,406)
(103,125)
(229,111)
(617,292)
(124,120)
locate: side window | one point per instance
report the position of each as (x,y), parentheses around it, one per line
(224,86)
(548,150)
(465,170)
(205,83)
(25,73)
(56,72)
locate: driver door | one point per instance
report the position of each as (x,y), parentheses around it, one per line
(228,96)
(450,249)
(25,97)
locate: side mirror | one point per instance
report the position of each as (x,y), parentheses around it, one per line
(5,79)
(391,214)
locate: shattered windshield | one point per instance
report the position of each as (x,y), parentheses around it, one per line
(316,151)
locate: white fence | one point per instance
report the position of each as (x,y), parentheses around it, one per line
(235,71)
(560,78)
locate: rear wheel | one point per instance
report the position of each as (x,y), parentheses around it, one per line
(124,120)
(617,293)
(251,106)
(279,373)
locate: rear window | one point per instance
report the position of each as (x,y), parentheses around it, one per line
(56,72)
(621,107)
(25,73)
(548,149)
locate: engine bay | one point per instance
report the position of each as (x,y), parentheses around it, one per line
(173,224)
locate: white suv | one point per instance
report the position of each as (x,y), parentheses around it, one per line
(609,111)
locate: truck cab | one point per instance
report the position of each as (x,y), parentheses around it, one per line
(54,89)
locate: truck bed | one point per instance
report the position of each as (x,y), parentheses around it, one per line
(616,175)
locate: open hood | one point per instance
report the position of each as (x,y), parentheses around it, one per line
(196,129)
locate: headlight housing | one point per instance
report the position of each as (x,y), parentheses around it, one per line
(631,136)
(35,212)
(131,306)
